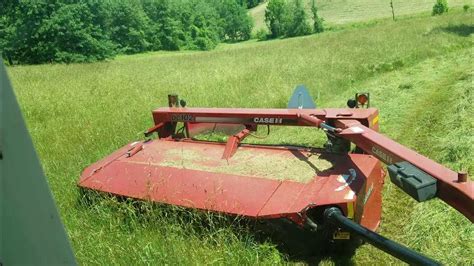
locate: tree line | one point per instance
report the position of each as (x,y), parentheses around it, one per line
(288,18)
(33,32)
(47,31)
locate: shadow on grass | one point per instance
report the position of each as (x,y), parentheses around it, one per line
(293,242)
(302,245)
(463,30)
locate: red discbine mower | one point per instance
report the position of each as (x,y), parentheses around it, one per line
(337,185)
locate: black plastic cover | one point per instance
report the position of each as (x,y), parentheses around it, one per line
(415,182)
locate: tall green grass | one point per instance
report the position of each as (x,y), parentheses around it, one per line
(419,73)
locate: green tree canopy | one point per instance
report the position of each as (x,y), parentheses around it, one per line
(298,22)
(276,17)
(236,23)
(33,32)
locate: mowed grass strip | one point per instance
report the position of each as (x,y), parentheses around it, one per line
(429,107)
(77,114)
(338,12)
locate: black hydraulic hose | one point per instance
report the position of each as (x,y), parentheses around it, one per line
(334,216)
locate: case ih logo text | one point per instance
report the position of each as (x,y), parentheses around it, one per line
(383,156)
(268,120)
(182,117)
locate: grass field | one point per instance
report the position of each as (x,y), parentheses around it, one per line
(419,72)
(336,12)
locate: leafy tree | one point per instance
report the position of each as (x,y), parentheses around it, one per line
(317,21)
(29,43)
(261,35)
(7,30)
(38,32)
(204,29)
(129,25)
(166,30)
(298,24)
(73,37)
(440,7)
(276,17)
(34,31)
(249,3)
(236,22)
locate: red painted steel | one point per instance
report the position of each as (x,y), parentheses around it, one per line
(147,175)
(459,195)
(184,172)
(155,128)
(233,143)
(310,120)
(249,115)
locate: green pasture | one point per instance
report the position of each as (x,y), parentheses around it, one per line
(419,72)
(337,12)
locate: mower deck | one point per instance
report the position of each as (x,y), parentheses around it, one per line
(258,181)
(333,192)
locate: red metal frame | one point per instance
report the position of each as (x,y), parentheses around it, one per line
(139,170)
(357,125)
(145,176)
(451,189)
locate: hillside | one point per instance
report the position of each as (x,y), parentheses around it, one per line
(337,12)
(419,72)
